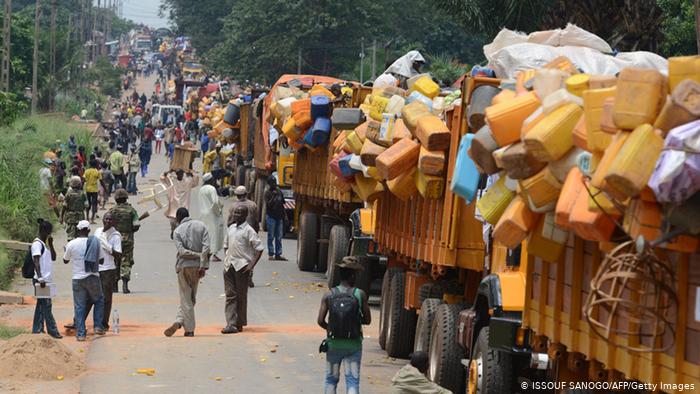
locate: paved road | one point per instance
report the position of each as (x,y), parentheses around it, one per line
(282,315)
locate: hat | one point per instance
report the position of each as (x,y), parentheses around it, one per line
(48,161)
(82,225)
(207,177)
(240,191)
(75,182)
(351,262)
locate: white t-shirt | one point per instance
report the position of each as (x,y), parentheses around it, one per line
(75,252)
(45,178)
(113,238)
(241,244)
(45,262)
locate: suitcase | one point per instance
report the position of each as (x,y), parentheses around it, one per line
(465,178)
(347,118)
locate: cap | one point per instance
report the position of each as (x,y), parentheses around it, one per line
(207,177)
(75,182)
(240,190)
(82,225)
(351,262)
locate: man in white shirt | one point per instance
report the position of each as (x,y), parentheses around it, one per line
(111,244)
(44,255)
(86,283)
(243,249)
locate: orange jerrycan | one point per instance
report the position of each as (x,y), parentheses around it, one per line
(683,106)
(429,186)
(576,84)
(593,100)
(411,113)
(541,191)
(681,68)
(518,163)
(354,143)
(300,105)
(589,225)
(404,185)
(567,198)
(515,224)
(643,218)
(580,133)
(545,248)
(640,96)
(635,162)
(426,86)
(431,162)
(506,119)
(481,151)
(369,152)
(432,133)
(602,81)
(552,137)
(609,156)
(397,159)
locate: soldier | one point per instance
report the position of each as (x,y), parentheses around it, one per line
(127,223)
(75,207)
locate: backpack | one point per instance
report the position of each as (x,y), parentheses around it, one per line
(28,266)
(344,315)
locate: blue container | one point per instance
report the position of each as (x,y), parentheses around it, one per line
(320,107)
(318,133)
(345,169)
(465,179)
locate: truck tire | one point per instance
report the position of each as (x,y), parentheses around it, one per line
(307,247)
(490,371)
(424,292)
(425,323)
(338,245)
(401,325)
(323,247)
(384,305)
(446,355)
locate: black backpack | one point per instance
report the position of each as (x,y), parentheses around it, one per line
(28,266)
(344,315)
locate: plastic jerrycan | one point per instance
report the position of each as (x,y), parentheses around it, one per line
(506,119)
(593,100)
(465,178)
(515,223)
(494,201)
(631,170)
(681,68)
(640,95)
(552,137)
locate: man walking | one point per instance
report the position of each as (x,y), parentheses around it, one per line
(116,162)
(210,209)
(274,204)
(87,288)
(252,218)
(44,254)
(126,221)
(179,188)
(243,249)
(93,178)
(192,242)
(75,207)
(347,310)
(111,243)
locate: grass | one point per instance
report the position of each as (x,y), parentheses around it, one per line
(21,200)
(7,332)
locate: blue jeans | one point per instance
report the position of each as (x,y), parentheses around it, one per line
(131,183)
(84,290)
(353,359)
(43,313)
(275,231)
(171,150)
(144,169)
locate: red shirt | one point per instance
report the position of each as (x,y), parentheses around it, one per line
(178,134)
(148,133)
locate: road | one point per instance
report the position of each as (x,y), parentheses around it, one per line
(277,353)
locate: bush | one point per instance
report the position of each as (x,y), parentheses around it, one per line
(11,107)
(21,199)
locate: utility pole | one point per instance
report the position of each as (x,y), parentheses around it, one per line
(6,27)
(299,61)
(362,60)
(52,57)
(374,59)
(35,61)
(697,24)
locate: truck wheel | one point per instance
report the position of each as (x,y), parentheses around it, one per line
(424,292)
(307,247)
(490,371)
(446,355)
(401,327)
(323,248)
(338,244)
(425,323)
(384,305)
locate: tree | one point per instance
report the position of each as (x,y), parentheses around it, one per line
(678,28)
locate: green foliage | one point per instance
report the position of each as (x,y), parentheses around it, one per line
(445,69)
(104,75)
(201,20)
(488,17)
(11,107)
(678,28)
(22,201)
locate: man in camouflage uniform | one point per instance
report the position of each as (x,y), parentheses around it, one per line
(75,207)
(127,223)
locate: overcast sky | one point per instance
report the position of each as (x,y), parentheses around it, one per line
(144,11)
